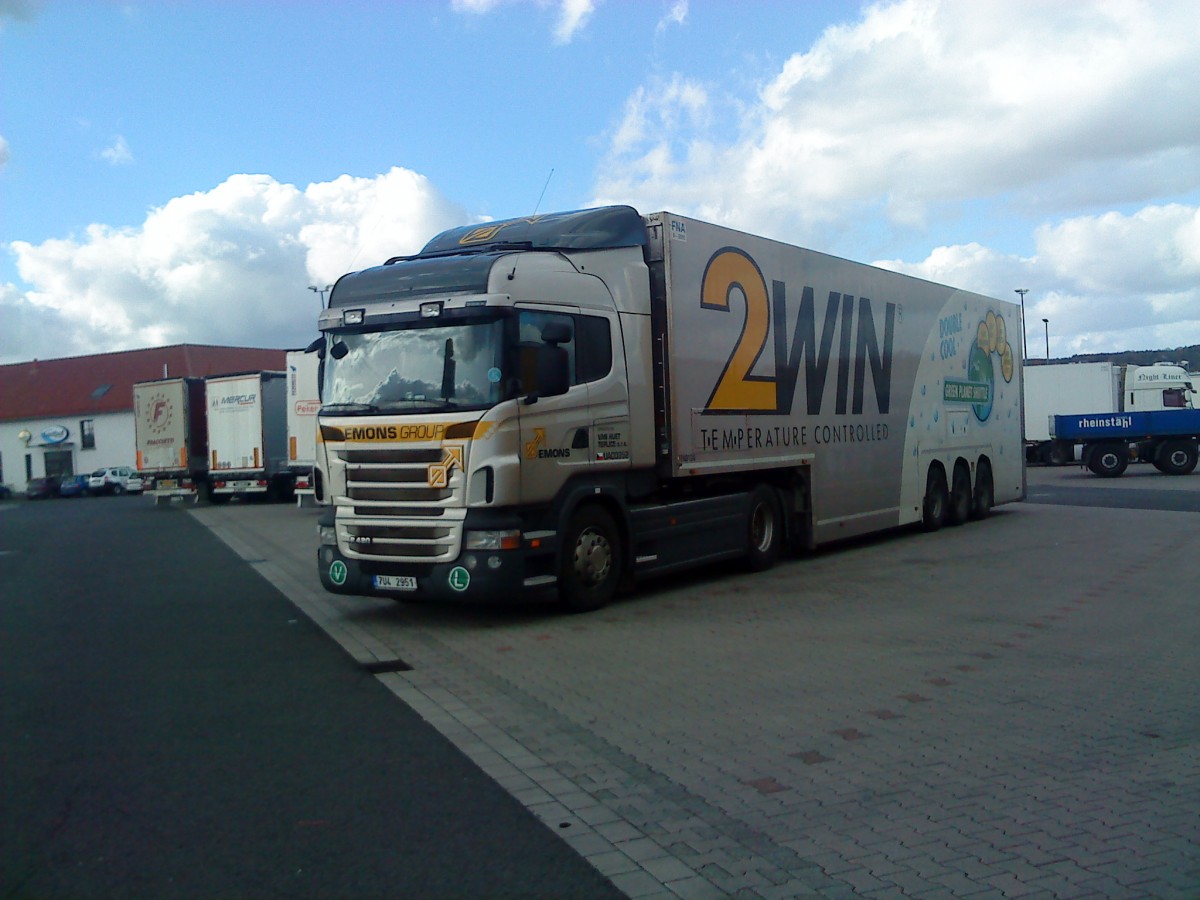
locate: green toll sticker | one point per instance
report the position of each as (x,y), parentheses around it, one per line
(337,572)
(459,578)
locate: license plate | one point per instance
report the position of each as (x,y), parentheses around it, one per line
(167,483)
(395,583)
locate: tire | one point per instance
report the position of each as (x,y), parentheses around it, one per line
(764,529)
(118,490)
(1176,458)
(1059,453)
(591,562)
(960,497)
(1108,460)
(937,499)
(985,492)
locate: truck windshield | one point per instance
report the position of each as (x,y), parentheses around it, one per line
(445,366)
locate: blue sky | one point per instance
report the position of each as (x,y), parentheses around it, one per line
(182,171)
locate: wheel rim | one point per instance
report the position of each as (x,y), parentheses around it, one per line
(1178,459)
(593,557)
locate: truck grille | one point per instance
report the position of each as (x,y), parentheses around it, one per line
(423,523)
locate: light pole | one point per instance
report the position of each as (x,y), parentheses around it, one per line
(321,291)
(1024,339)
(1046,322)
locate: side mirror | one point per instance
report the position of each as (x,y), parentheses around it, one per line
(554,371)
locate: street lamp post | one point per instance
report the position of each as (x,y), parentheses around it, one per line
(321,291)
(1046,322)
(1024,339)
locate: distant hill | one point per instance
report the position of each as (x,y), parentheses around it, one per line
(1188,356)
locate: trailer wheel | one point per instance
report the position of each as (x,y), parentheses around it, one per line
(590,567)
(985,491)
(1177,458)
(1059,453)
(960,496)
(764,529)
(933,511)
(1108,460)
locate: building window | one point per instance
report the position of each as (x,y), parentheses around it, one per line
(87,434)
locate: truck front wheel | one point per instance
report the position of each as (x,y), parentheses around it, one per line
(764,529)
(1177,457)
(590,568)
(1108,460)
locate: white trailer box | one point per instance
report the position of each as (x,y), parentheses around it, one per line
(303,402)
(171,436)
(247,435)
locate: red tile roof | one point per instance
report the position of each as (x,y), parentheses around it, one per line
(84,385)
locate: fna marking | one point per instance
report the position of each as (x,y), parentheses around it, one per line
(738,391)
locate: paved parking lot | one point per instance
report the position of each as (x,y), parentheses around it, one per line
(1008,708)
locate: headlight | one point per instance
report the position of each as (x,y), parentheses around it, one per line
(492,540)
(327,534)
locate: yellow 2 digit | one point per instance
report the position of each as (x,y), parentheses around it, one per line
(737,390)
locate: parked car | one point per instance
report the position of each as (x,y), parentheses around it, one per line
(136,483)
(42,488)
(114,480)
(5,492)
(74,486)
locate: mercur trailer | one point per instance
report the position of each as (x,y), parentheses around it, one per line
(583,399)
(247,436)
(303,403)
(171,436)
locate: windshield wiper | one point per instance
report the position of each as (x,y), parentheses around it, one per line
(349,408)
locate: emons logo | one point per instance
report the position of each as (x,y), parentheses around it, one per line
(535,450)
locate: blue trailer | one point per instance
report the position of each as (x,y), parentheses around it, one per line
(1168,439)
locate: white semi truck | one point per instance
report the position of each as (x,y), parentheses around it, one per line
(247,436)
(584,399)
(1095,388)
(171,437)
(303,402)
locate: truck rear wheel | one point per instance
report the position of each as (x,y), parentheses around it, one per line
(1108,460)
(590,567)
(933,510)
(960,496)
(985,491)
(764,529)
(1177,458)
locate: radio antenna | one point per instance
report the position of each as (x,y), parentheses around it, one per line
(543,193)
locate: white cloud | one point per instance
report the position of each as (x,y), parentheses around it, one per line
(1108,282)
(573,15)
(676,15)
(118,154)
(927,102)
(228,266)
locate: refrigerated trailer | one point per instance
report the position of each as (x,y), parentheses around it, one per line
(247,436)
(583,399)
(303,402)
(171,437)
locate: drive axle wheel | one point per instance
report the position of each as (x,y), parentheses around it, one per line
(1108,460)
(933,511)
(764,529)
(590,565)
(1177,458)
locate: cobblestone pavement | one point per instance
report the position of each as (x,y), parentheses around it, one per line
(1005,709)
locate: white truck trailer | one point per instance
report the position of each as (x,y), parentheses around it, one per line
(584,399)
(171,437)
(247,436)
(303,402)
(1095,389)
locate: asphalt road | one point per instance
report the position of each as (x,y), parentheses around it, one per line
(174,727)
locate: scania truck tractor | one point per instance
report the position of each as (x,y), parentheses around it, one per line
(576,401)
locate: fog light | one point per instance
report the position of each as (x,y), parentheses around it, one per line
(470,562)
(493,562)
(493,540)
(327,534)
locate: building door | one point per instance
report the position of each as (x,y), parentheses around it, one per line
(59,463)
